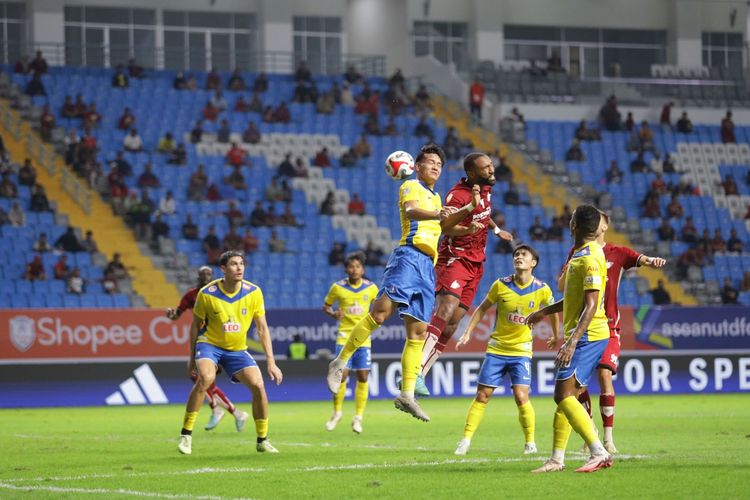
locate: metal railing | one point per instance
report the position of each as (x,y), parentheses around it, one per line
(10,122)
(76,189)
(41,153)
(179,58)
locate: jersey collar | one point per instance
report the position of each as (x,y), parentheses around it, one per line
(426,187)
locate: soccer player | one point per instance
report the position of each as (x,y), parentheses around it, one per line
(461,257)
(586,338)
(619,259)
(354,296)
(214,395)
(509,348)
(223,313)
(409,279)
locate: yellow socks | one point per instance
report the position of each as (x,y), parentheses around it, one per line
(411,365)
(527,418)
(189,421)
(360,333)
(474,418)
(261,427)
(561,429)
(360,398)
(579,419)
(338,399)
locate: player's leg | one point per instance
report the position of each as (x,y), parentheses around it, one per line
(585,399)
(217,413)
(251,378)
(520,378)
(338,400)
(476,411)
(607,368)
(361,362)
(411,364)
(441,328)
(205,368)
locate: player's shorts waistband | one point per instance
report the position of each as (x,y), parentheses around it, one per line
(412,247)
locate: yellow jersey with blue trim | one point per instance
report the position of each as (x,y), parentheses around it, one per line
(226,317)
(421,234)
(587,270)
(354,302)
(512,337)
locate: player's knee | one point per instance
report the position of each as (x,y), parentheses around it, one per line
(520,396)
(205,380)
(379,315)
(363,375)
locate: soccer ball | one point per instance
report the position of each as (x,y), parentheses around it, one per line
(399,165)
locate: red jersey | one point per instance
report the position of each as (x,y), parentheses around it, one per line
(470,246)
(619,260)
(188,300)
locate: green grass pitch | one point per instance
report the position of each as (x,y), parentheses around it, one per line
(670,447)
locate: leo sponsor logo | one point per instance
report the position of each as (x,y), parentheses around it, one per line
(22,332)
(356,310)
(230,327)
(517,318)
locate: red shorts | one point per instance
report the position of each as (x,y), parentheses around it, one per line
(458,277)
(611,357)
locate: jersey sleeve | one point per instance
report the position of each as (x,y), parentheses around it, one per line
(629,257)
(456,198)
(259,308)
(331,296)
(409,192)
(199,309)
(184,303)
(592,278)
(492,295)
(548,298)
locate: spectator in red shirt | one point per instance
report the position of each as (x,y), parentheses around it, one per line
(148,179)
(81,108)
(665,120)
(46,123)
(249,241)
(718,245)
(61,268)
(210,112)
(281,114)
(727,129)
(476,99)
(674,209)
(322,159)
(240,105)
(659,185)
(356,205)
(236,156)
(127,119)
(729,185)
(92,117)
(213,80)
(35,270)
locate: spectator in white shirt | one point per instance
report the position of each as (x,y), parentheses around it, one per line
(133,142)
(167,205)
(75,282)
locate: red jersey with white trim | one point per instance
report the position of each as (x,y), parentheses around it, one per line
(471,246)
(187,302)
(619,259)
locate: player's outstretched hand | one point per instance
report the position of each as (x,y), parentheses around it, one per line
(172,313)
(338,314)
(463,340)
(658,262)
(504,235)
(565,354)
(447,211)
(275,373)
(552,342)
(534,318)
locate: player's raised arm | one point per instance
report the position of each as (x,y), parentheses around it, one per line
(460,230)
(413,212)
(173,313)
(537,316)
(476,317)
(500,233)
(449,220)
(264,335)
(653,262)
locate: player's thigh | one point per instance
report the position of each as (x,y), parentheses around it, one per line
(242,368)
(205,371)
(382,308)
(446,304)
(250,377)
(519,370)
(493,370)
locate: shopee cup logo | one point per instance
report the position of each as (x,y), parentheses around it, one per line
(22,332)
(231,327)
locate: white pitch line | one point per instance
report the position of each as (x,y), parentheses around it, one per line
(100,491)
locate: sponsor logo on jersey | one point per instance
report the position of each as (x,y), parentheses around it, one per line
(246,286)
(455,285)
(230,327)
(517,318)
(531,305)
(610,264)
(592,280)
(212,288)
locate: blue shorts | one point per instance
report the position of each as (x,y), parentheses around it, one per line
(230,361)
(494,368)
(360,360)
(585,360)
(409,280)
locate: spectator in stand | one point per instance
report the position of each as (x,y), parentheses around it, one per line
(134,69)
(286,168)
(476,99)
(197,185)
(575,153)
(718,245)
(232,241)
(166,144)
(240,105)
(179,82)
(213,193)
(35,86)
(658,184)
(353,76)
(16,216)
(666,232)
(39,201)
(729,294)
(327,206)
(668,166)
(234,215)
(684,125)
(261,83)
(249,242)
(189,228)
(167,204)
(38,65)
(210,112)
(503,173)
(727,129)
(512,196)
(660,295)
(178,156)
(61,268)
(42,245)
(236,82)
(372,124)
(68,241)
(274,191)
(256,104)
(651,207)
(75,283)
(422,99)
(326,103)
(109,284)
(46,123)
(373,255)
(287,217)
(27,173)
(139,215)
(276,244)
(133,142)
(68,109)
(148,179)
(665,119)
(35,270)
(81,108)
(689,233)
(196,134)
(614,174)
(212,246)
(638,165)
(120,79)
(423,129)
(390,129)
(282,114)
(213,80)
(646,136)
(537,232)
(362,148)
(88,244)
(675,209)
(236,156)
(554,63)
(729,185)
(222,135)
(583,133)
(258,217)
(356,205)
(629,122)
(236,179)
(251,135)
(745,283)
(610,116)
(347,98)
(734,243)
(271,218)
(116,268)
(7,188)
(302,74)
(322,159)
(337,254)
(121,166)
(92,118)
(556,232)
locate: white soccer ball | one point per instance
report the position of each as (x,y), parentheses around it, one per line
(399,165)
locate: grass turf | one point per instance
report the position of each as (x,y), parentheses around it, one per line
(670,447)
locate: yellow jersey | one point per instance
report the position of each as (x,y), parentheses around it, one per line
(423,234)
(587,270)
(226,318)
(512,337)
(354,302)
